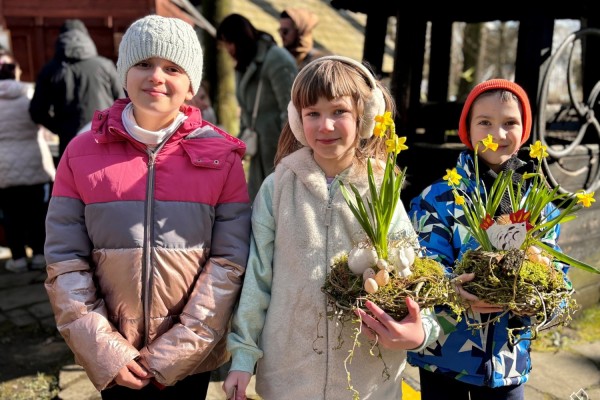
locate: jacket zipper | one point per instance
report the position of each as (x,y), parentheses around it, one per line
(148,235)
(147,262)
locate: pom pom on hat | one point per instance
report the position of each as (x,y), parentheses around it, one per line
(168,38)
(494,84)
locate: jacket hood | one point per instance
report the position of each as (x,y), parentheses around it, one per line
(107,126)
(10,89)
(75,45)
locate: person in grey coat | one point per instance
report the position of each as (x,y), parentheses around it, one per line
(74,84)
(260,62)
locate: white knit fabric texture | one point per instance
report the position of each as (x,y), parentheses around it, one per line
(169,38)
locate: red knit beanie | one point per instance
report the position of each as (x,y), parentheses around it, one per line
(463,131)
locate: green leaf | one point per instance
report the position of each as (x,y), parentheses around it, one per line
(567,259)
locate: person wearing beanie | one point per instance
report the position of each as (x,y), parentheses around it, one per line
(148,227)
(73,84)
(480,364)
(295,28)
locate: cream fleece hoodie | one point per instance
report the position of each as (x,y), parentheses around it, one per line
(298,225)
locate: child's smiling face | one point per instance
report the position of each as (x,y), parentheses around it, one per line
(157,88)
(490,115)
(330,127)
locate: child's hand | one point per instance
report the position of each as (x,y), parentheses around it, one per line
(235,385)
(391,334)
(476,305)
(133,375)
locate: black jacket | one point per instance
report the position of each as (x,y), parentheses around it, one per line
(74,84)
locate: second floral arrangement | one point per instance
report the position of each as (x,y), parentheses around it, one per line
(385,266)
(517,265)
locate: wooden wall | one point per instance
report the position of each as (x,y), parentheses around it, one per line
(34,25)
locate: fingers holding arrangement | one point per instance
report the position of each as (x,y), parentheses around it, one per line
(392,334)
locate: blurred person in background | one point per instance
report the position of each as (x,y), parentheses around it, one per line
(26,170)
(295,28)
(74,84)
(201,100)
(260,64)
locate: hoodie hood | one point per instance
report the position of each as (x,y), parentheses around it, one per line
(75,45)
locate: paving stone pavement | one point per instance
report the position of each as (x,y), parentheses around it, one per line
(563,375)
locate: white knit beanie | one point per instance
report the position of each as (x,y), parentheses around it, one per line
(169,38)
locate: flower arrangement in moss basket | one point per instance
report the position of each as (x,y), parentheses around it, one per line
(514,267)
(384,267)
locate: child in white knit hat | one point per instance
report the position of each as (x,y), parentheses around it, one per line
(148,227)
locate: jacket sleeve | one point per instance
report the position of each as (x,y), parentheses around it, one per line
(551,239)
(250,314)
(432,227)
(205,318)
(41,103)
(79,310)
(431,327)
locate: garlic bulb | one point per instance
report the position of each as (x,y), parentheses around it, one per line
(361,258)
(382,264)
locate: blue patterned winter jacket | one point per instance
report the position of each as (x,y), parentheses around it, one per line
(481,357)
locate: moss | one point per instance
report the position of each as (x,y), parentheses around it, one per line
(427,267)
(510,280)
(427,285)
(40,387)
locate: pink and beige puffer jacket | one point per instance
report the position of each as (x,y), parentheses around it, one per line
(146,253)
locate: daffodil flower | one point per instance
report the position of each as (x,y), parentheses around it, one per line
(585,198)
(385,119)
(452,176)
(376,216)
(396,144)
(538,151)
(460,200)
(379,129)
(528,205)
(489,144)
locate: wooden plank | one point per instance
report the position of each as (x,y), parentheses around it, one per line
(77,9)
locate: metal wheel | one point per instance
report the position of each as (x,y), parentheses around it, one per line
(584,111)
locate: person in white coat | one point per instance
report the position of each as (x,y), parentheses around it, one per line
(26,170)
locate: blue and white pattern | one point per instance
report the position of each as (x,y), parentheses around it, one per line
(481,357)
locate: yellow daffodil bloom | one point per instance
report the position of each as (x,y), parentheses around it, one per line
(385,119)
(585,198)
(396,144)
(489,144)
(383,123)
(379,129)
(452,176)
(460,200)
(538,151)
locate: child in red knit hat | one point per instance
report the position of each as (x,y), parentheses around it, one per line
(465,363)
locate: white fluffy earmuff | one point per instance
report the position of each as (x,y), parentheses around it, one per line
(373,106)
